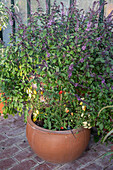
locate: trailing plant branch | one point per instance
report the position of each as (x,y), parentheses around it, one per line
(103,109)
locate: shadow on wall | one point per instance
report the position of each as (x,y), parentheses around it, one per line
(108,8)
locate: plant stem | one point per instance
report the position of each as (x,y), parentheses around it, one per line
(104,108)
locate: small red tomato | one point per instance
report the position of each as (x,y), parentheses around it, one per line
(62,127)
(60,92)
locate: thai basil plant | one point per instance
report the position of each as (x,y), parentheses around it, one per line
(61,68)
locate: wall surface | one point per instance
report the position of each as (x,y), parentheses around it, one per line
(108,7)
(86,4)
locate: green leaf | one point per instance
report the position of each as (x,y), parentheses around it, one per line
(101,126)
(57,69)
(22,53)
(31,52)
(16,48)
(49,123)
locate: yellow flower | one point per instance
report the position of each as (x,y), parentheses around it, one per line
(37,112)
(64,92)
(34,114)
(82,98)
(21,73)
(86,125)
(34,96)
(71,113)
(88,115)
(84,108)
(31,87)
(20,66)
(46,114)
(29,91)
(81,103)
(0,28)
(82,114)
(30,95)
(41,92)
(34,119)
(34,91)
(66,110)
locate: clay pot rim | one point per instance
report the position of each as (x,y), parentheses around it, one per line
(34,126)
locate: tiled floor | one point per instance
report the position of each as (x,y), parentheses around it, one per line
(16,154)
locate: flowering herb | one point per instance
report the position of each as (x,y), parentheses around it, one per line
(70,57)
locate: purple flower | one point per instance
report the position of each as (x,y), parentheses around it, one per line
(84,47)
(48,54)
(82,60)
(98,38)
(88,26)
(46,64)
(50,22)
(87,29)
(103,81)
(70,70)
(76,84)
(69,74)
(71,67)
(100,86)
(78,98)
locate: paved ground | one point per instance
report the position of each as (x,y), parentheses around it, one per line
(16,154)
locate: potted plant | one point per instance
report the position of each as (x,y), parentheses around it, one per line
(4,18)
(59,72)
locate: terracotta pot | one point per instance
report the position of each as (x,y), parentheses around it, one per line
(56,146)
(1,105)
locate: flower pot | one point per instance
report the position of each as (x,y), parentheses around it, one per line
(57,146)
(1,105)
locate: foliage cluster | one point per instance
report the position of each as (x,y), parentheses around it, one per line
(61,67)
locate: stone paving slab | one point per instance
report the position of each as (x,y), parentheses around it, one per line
(16,154)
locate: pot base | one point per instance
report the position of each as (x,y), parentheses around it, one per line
(57,146)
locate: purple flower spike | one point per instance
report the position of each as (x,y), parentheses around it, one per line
(78,98)
(70,74)
(88,26)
